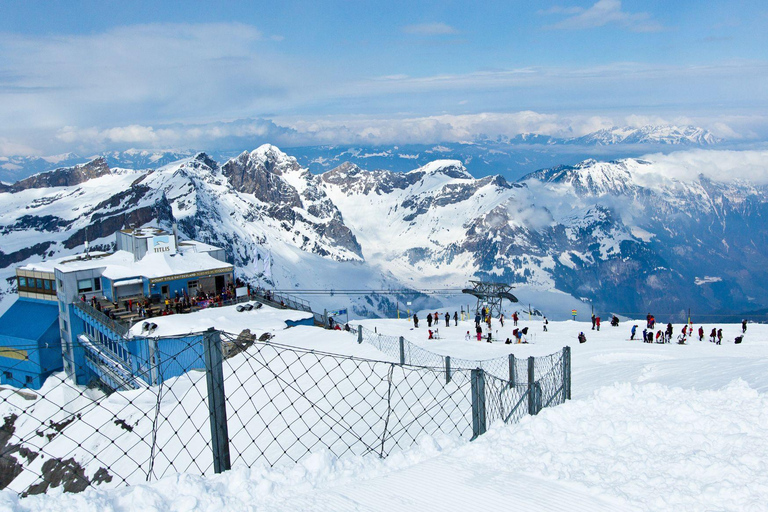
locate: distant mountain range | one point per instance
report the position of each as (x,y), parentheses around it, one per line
(510,157)
(624,235)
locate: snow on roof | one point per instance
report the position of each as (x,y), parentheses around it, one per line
(121,264)
(225,318)
(161,265)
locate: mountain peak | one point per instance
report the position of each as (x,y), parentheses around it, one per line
(66,176)
(649,134)
(450,168)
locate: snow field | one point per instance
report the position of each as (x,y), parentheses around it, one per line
(651,427)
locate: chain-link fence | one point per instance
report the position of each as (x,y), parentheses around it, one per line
(243,400)
(506,367)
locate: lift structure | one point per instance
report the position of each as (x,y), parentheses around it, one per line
(490,295)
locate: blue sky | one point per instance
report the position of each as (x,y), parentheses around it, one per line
(93,76)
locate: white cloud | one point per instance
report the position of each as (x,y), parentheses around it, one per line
(10,148)
(430,29)
(606,12)
(717,165)
(140,73)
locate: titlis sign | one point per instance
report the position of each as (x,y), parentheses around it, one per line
(163,244)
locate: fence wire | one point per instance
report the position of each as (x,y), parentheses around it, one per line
(282,403)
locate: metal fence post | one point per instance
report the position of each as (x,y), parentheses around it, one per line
(511,370)
(402,350)
(447,369)
(359,333)
(567,372)
(531,388)
(478,403)
(217,403)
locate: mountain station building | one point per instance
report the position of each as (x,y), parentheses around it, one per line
(53,324)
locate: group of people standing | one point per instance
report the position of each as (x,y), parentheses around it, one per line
(665,336)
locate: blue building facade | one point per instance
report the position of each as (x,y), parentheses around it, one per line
(30,345)
(101,350)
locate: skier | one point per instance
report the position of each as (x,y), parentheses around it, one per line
(658,335)
(467,337)
(634,330)
(615,321)
(447,319)
(489,336)
(431,336)
(594,319)
(479,331)
(546,323)
(456,318)
(645,335)
(415,321)
(685,330)
(701,333)
(597,323)
(501,319)
(669,332)
(743,327)
(582,338)
(477,319)
(516,335)
(429,319)
(713,334)
(514,318)
(648,321)
(719,336)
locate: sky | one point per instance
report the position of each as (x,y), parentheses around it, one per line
(94,76)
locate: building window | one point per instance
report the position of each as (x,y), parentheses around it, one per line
(39,284)
(84,285)
(47,284)
(62,307)
(22,282)
(64,326)
(97,284)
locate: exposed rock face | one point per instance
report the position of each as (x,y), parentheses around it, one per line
(65,177)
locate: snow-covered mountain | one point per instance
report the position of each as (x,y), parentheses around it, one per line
(624,235)
(652,134)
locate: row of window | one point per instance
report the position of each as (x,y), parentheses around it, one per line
(117,348)
(37,285)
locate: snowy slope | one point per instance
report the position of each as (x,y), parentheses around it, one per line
(688,421)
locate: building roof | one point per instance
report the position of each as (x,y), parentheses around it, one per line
(161,265)
(28,319)
(191,257)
